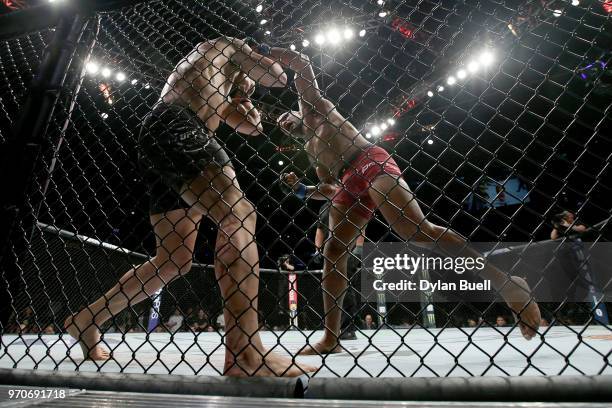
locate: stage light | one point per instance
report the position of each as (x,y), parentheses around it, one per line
(557,13)
(147,86)
(383,126)
(362,33)
(430,94)
(382,14)
(472,66)
(380,2)
(106,72)
(333,36)
(120,77)
(264,21)
(320,39)
(104,115)
(259,8)
(429,141)
(368,135)
(375,130)
(292,47)
(461,74)
(267,33)
(451,80)
(391,121)
(575,2)
(280,162)
(440,88)
(305,43)
(92,67)
(486,58)
(134,81)
(348,33)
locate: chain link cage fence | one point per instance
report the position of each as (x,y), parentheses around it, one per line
(130,233)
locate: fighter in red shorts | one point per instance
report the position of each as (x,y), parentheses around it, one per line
(360,178)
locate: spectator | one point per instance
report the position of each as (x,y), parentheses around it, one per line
(199,322)
(565,224)
(472,322)
(544,322)
(175,322)
(49,329)
(501,321)
(368,323)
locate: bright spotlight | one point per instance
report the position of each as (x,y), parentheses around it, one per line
(320,39)
(575,2)
(305,43)
(106,72)
(430,94)
(451,80)
(368,135)
(348,33)
(384,126)
(147,86)
(440,88)
(259,8)
(461,74)
(382,14)
(362,33)
(376,131)
(472,66)
(486,58)
(104,115)
(380,2)
(292,47)
(557,13)
(120,77)
(134,81)
(333,36)
(280,162)
(92,67)
(429,141)
(268,33)
(391,121)
(264,21)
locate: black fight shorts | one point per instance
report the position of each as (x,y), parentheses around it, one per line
(174,147)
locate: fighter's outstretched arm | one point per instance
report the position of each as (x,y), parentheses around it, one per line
(259,68)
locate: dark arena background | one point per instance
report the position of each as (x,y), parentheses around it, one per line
(497,113)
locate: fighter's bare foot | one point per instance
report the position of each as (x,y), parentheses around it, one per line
(518,297)
(266,365)
(321,348)
(88,336)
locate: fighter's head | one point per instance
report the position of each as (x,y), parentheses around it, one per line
(292,124)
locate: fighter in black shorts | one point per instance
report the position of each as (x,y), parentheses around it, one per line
(190,176)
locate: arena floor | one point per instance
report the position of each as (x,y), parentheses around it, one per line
(390,354)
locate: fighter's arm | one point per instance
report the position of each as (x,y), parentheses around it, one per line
(325,190)
(306,85)
(242,116)
(259,68)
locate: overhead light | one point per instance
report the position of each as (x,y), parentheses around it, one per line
(382,14)
(486,58)
(440,88)
(391,121)
(348,33)
(557,13)
(376,130)
(92,67)
(368,135)
(267,32)
(104,115)
(263,21)
(280,162)
(259,8)
(451,80)
(106,72)
(120,77)
(380,2)
(429,141)
(430,94)
(461,74)
(320,39)
(305,43)
(472,66)
(147,86)
(383,126)
(292,47)
(362,33)
(134,81)
(575,2)
(333,36)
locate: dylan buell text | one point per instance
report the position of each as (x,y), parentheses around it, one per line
(431,286)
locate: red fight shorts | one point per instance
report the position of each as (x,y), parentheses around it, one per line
(357,179)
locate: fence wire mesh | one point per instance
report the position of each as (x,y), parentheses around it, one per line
(212,170)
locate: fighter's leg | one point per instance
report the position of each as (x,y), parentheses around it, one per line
(398,205)
(345,225)
(175,233)
(218,194)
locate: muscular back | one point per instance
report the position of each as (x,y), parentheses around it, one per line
(203,80)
